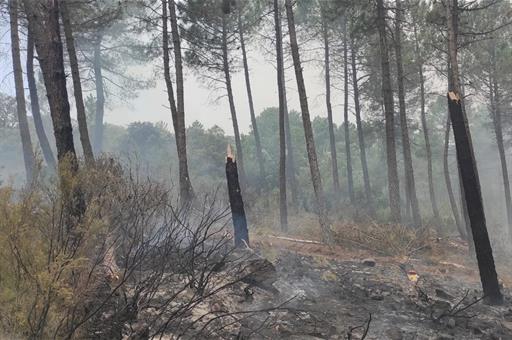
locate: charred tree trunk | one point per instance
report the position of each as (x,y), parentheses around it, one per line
(257,140)
(100,97)
(346,123)
(186,191)
(283,204)
(360,133)
(77,86)
(241,234)
(468,169)
(449,188)
(34,105)
(410,185)
(26,142)
(308,130)
(332,140)
(424,125)
(387,94)
(232,109)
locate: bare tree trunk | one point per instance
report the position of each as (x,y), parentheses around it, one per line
(283,204)
(346,123)
(259,153)
(34,105)
(26,142)
(495,96)
(410,185)
(360,133)
(424,125)
(332,140)
(100,97)
(77,86)
(467,167)
(308,130)
(241,234)
(43,19)
(387,94)
(186,191)
(449,188)
(229,89)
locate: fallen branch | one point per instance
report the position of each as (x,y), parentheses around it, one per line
(297,240)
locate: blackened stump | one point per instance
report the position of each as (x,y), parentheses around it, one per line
(237,204)
(473,198)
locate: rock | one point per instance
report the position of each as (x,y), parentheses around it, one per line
(445,337)
(451,323)
(443,295)
(255,270)
(369,262)
(394,334)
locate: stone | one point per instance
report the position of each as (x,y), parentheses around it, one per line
(394,334)
(451,323)
(370,262)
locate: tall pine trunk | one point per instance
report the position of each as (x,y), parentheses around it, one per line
(410,185)
(257,140)
(467,166)
(34,105)
(283,204)
(186,191)
(360,132)
(495,98)
(229,89)
(308,130)
(346,123)
(77,86)
(424,126)
(332,140)
(387,94)
(100,96)
(26,142)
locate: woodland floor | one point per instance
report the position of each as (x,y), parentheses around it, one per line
(333,290)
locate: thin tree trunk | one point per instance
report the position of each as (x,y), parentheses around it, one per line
(360,132)
(259,153)
(495,96)
(468,169)
(283,205)
(229,89)
(424,126)
(241,234)
(308,130)
(346,123)
(34,105)
(449,188)
(410,185)
(332,140)
(100,97)
(387,94)
(186,191)
(26,142)
(77,86)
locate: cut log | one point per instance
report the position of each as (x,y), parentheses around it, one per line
(236,202)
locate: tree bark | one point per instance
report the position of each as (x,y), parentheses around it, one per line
(186,190)
(424,125)
(77,86)
(259,153)
(410,185)
(229,89)
(241,234)
(387,94)
(100,97)
(283,204)
(308,130)
(26,142)
(332,140)
(468,169)
(346,123)
(360,132)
